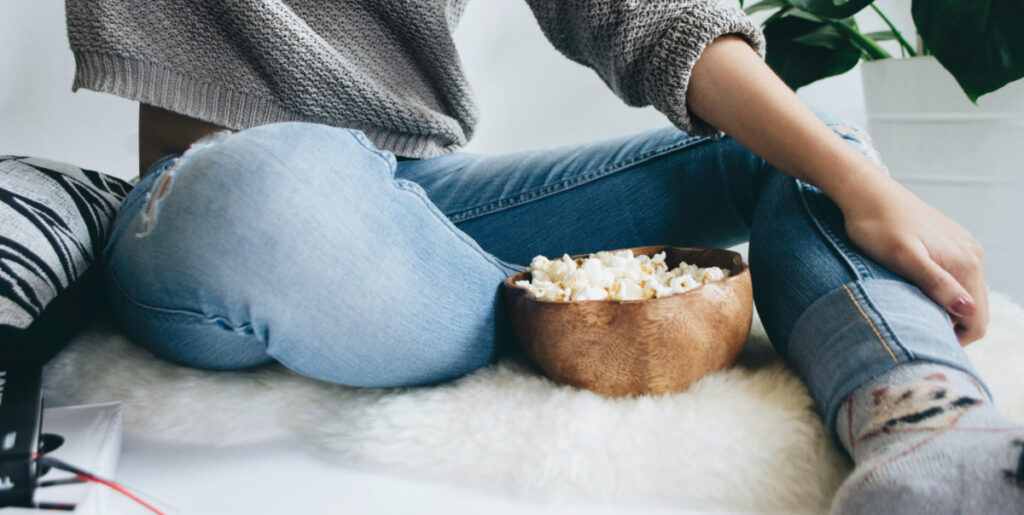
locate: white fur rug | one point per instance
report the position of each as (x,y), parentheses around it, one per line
(743,439)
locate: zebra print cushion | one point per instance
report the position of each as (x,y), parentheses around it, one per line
(54,222)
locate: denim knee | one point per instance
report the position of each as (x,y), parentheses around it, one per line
(237,188)
(295,241)
(197,243)
(241,173)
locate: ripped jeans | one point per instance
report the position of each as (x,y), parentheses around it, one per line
(304,244)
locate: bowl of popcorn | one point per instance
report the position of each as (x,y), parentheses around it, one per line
(645,320)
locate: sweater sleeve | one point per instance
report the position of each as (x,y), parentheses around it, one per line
(644,50)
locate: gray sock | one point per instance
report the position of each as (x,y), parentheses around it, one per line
(926,439)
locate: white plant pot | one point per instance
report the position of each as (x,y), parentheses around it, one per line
(966,160)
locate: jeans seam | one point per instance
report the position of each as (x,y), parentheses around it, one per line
(204,318)
(126,206)
(134,201)
(551,189)
(141,197)
(813,208)
(871,324)
(118,219)
(365,142)
(894,340)
(411,188)
(860,271)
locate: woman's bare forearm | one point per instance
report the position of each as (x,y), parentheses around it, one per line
(732,89)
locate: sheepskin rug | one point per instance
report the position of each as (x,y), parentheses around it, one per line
(744,439)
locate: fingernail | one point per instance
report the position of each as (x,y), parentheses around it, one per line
(964,306)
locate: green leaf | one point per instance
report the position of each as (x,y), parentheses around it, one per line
(804,15)
(978,41)
(764,5)
(824,36)
(882,35)
(832,8)
(802,50)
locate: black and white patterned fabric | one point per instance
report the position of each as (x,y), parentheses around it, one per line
(54,222)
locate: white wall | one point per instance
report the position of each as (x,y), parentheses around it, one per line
(530,96)
(38,113)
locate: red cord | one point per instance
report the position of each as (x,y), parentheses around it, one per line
(119,488)
(81,474)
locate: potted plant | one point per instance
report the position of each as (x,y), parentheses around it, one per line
(958,151)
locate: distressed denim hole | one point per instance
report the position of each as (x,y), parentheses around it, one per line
(149,210)
(850,131)
(164,183)
(862,141)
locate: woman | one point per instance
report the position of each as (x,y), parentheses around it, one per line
(355,245)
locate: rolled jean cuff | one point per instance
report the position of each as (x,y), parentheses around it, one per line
(863,329)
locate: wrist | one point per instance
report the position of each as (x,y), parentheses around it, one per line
(852,178)
(862,189)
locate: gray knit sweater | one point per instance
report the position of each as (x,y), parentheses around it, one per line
(386,67)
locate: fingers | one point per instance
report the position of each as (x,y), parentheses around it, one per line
(963,295)
(928,249)
(973,328)
(935,281)
(966,267)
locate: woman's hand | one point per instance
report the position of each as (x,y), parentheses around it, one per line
(904,234)
(732,89)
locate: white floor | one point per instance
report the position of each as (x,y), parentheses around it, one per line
(289,476)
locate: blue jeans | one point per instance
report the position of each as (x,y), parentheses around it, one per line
(304,244)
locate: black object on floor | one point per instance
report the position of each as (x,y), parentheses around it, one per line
(21,419)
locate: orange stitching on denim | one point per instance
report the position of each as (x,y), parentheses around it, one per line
(872,324)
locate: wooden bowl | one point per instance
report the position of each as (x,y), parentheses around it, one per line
(651,346)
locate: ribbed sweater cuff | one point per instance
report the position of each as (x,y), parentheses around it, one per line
(153,84)
(668,76)
(157,85)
